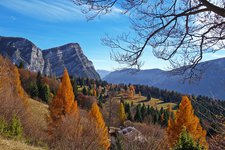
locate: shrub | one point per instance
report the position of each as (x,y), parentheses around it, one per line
(3,126)
(13,129)
(85,102)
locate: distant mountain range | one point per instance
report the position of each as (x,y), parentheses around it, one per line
(50,61)
(103,73)
(212,82)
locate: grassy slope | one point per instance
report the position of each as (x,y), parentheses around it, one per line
(153,102)
(6,144)
(39,111)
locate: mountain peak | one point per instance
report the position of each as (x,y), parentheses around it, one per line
(211,83)
(50,61)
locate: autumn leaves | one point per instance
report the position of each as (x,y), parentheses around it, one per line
(186,119)
(64,106)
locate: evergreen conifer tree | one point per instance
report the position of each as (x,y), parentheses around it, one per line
(138,116)
(186,142)
(84,91)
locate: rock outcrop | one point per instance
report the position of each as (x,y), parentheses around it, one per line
(70,56)
(49,62)
(22,50)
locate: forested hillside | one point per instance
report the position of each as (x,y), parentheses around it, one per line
(209,81)
(82,113)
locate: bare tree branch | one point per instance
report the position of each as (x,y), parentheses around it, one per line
(177,31)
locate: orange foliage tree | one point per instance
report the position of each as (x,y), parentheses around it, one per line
(18,87)
(132,91)
(94,93)
(185,118)
(62,104)
(169,108)
(100,124)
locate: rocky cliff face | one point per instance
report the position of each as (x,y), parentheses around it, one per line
(51,61)
(22,50)
(70,56)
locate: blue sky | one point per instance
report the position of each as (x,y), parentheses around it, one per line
(53,23)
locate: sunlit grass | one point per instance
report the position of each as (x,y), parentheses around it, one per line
(156,103)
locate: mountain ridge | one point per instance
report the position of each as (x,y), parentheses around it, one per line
(103,73)
(50,61)
(212,82)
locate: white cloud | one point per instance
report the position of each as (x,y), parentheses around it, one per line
(51,10)
(115,12)
(56,10)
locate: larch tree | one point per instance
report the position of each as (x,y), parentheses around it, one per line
(18,87)
(131,91)
(94,93)
(100,124)
(62,104)
(169,108)
(122,114)
(185,118)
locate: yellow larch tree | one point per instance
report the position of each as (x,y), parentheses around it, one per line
(94,93)
(122,114)
(100,124)
(131,91)
(169,108)
(185,118)
(62,104)
(18,87)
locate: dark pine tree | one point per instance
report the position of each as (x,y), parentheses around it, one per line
(149,97)
(138,115)
(84,91)
(75,88)
(33,90)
